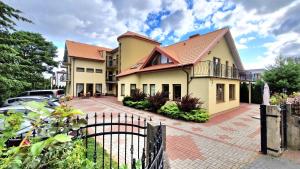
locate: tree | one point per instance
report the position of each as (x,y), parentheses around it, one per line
(24,56)
(7,16)
(284,74)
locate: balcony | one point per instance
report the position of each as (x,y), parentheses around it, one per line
(210,69)
(111,79)
(65,77)
(112,64)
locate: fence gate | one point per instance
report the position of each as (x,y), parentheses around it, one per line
(272,118)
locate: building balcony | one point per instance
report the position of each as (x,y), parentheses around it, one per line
(211,69)
(65,77)
(112,64)
(111,79)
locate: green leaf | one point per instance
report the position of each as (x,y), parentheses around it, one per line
(33,115)
(37,148)
(62,138)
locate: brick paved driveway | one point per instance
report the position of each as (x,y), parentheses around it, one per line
(228,140)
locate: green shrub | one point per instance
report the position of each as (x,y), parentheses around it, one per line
(170,109)
(278,98)
(125,99)
(157,101)
(144,104)
(198,115)
(188,103)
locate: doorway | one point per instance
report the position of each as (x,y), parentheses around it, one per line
(89,89)
(176,91)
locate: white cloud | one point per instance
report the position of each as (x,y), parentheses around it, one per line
(246,40)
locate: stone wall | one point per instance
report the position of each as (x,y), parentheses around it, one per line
(273,130)
(293,129)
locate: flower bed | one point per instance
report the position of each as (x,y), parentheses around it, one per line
(188,108)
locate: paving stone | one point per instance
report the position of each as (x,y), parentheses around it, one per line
(229,140)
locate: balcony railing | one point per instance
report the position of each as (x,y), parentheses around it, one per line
(211,69)
(111,79)
(112,64)
(65,77)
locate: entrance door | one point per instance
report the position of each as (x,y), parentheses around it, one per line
(89,89)
(165,90)
(217,66)
(79,89)
(176,91)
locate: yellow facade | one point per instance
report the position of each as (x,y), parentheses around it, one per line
(169,77)
(133,50)
(205,89)
(85,77)
(200,87)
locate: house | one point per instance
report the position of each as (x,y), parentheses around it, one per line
(256,74)
(205,66)
(86,69)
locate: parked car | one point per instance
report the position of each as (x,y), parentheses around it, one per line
(19,100)
(55,93)
(25,126)
(20,109)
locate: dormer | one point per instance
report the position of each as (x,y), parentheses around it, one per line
(160,56)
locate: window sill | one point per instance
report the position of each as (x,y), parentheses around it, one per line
(232,99)
(220,102)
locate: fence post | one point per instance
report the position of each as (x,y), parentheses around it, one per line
(151,133)
(263,129)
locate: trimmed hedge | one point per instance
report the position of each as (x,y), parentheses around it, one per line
(172,110)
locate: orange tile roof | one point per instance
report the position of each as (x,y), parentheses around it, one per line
(85,51)
(139,36)
(192,49)
(187,52)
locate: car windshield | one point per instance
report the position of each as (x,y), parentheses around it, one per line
(60,92)
(42,93)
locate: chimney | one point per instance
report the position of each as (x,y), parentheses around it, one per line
(195,35)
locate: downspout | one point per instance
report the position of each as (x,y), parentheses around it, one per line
(73,66)
(188,80)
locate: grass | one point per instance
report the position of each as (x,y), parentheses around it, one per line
(99,160)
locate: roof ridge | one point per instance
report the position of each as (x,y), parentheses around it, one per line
(199,36)
(88,44)
(145,37)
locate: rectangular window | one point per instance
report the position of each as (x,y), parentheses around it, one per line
(231,91)
(145,90)
(132,89)
(90,70)
(152,89)
(176,91)
(122,89)
(98,70)
(220,93)
(110,87)
(165,90)
(79,69)
(98,88)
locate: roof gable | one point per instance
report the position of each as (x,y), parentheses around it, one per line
(169,54)
(85,51)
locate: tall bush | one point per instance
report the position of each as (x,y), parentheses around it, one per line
(188,103)
(157,101)
(138,95)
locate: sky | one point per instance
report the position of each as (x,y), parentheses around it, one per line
(262,29)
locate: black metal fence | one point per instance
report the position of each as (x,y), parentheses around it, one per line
(131,130)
